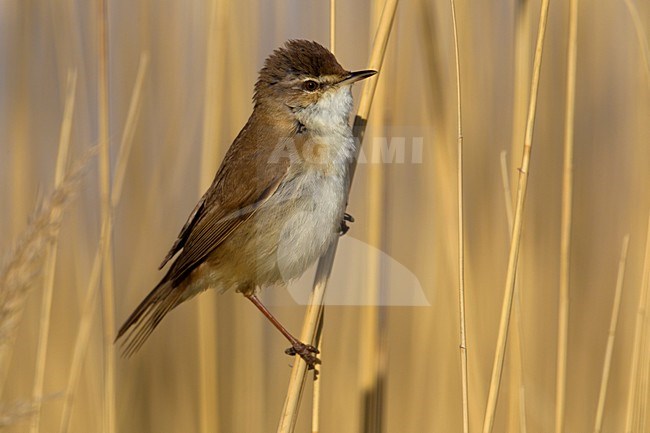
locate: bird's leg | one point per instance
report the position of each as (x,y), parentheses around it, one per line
(344,223)
(306,351)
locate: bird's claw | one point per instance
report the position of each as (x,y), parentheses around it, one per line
(306,352)
(344,224)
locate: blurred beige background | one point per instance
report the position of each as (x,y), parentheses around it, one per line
(406,210)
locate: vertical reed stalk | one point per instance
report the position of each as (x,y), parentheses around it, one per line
(602,395)
(499,356)
(461,233)
(323,271)
(632,395)
(50,257)
(108,296)
(565,227)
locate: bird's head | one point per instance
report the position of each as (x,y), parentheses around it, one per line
(303,79)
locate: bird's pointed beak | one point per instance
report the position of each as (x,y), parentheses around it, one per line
(353,77)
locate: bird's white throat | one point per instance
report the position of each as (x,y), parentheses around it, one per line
(328,121)
(331,113)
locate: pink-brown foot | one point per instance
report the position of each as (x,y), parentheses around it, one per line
(306,352)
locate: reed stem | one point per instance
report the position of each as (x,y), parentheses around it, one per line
(461,233)
(566,218)
(51,256)
(499,355)
(632,395)
(314,309)
(602,395)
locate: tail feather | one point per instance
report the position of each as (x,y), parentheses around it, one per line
(141,323)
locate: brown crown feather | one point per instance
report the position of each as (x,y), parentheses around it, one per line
(297,58)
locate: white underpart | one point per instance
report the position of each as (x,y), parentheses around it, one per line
(316,216)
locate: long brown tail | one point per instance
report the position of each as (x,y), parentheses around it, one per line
(141,323)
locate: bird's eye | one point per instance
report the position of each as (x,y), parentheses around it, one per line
(310,85)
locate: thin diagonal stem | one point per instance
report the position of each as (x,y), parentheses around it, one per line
(513,257)
(519,391)
(632,395)
(51,256)
(611,335)
(89,304)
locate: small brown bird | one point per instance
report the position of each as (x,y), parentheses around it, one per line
(278,199)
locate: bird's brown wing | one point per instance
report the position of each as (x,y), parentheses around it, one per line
(248,176)
(215,225)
